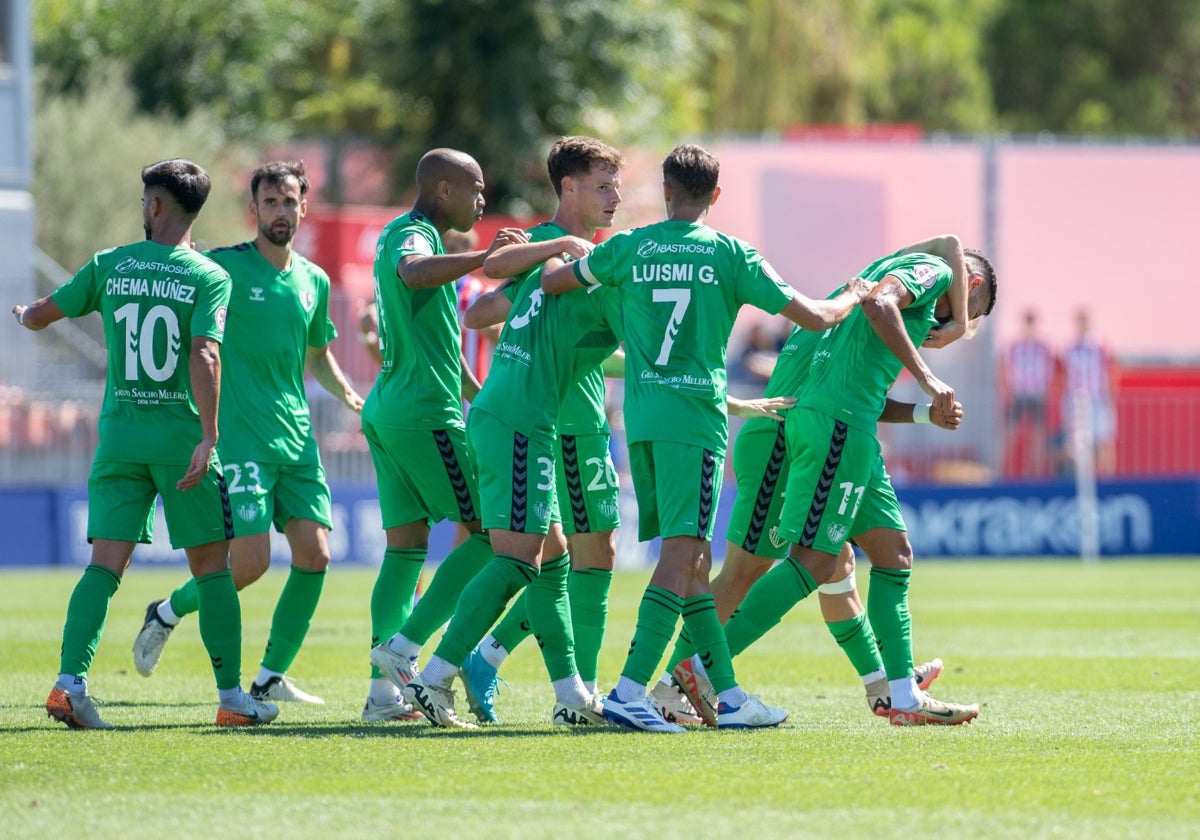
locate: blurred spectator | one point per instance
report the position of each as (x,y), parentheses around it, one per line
(1027,373)
(1090,373)
(765,337)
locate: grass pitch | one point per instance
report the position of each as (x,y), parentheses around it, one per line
(1088,679)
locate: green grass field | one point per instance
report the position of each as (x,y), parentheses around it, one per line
(1088,679)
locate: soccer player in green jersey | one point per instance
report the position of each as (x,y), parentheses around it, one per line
(278,327)
(413,419)
(682,284)
(585,173)
(163,307)
(838,487)
(753,543)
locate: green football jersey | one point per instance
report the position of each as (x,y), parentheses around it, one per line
(548,343)
(852,369)
(153,300)
(420,383)
(274,317)
(582,410)
(790,373)
(681,285)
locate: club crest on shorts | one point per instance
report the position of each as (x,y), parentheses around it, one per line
(609,508)
(773,536)
(247,512)
(542,511)
(836,532)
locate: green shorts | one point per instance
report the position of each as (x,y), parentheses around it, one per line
(121,503)
(677,486)
(838,487)
(760,468)
(422,474)
(587,484)
(516,475)
(264,493)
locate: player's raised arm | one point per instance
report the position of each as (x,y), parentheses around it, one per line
(559,277)
(949,247)
(818,315)
(517,258)
(882,308)
(422,271)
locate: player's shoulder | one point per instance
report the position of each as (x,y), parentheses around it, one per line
(303,264)
(227,254)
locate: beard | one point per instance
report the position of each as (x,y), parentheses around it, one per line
(278,236)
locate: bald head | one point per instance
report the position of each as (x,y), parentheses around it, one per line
(449,189)
(445,165)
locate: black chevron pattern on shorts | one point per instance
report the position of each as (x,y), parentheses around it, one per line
(226,507)
(708,467)
(520,482)
(574,484)
(454,472)
(766,492)
(821,494)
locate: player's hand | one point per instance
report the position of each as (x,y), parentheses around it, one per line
(354,402)
(508,236)
(860,288)
(575,248)
(201,457)
(765,407)
(944,334)
(942,395)
(947,420)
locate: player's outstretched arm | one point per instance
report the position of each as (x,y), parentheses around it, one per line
(768,407)
(204,365)
(514,259)
(39,314)
(430,271)
(818,315)
(882,309)
(326,370)
(489,309)
(559,278)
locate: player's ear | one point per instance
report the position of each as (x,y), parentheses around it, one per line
(716,195)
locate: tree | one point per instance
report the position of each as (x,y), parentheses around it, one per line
(91,148)
(1097,66)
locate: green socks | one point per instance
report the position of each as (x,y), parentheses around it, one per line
(704,628)
(857,641)
(588,591)
(483,600)
(514,627)
(184,600)
(549,612)
(767,602)
(221,626)
(86,613)
(392,596)
(887,608)
(441,598)
(657,616)
(293,615)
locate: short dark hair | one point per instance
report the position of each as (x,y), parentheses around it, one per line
(276,173)
(692,169)
(186,182)
(977,263)
(576,155)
